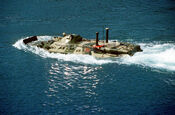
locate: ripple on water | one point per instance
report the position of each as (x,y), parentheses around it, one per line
(67,84)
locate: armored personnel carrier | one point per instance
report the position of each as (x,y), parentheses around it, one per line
(75,44)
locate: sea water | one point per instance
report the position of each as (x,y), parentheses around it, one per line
(34,81)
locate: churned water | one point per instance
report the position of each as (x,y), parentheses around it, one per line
(34,81)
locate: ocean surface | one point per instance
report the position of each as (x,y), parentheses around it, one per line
(33,81)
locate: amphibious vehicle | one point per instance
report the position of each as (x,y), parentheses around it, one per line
(75,44)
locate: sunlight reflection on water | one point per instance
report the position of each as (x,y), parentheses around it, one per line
(80,81)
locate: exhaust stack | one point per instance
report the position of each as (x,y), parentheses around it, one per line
(97,38)
(107,34)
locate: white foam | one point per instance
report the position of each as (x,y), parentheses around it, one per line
(153,55)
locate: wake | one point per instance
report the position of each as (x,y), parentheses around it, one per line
(154,55)
(159,55)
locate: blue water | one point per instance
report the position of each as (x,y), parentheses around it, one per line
(33,81)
